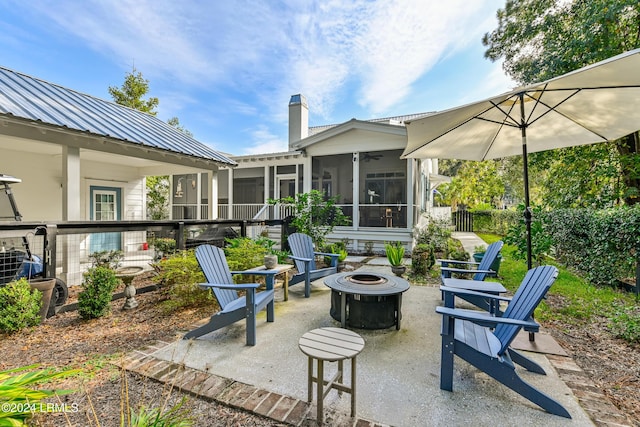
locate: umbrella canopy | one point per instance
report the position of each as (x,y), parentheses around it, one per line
(596,103)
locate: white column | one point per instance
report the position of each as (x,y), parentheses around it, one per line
(356,191)
(230,193)
(71,184)
(411,183)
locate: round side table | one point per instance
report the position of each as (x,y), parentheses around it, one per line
(330,345)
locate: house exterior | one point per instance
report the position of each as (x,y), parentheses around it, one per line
(357,161)
(83,158)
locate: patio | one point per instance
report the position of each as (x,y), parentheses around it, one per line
(398,371)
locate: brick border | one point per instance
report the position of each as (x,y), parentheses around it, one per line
(284,410)
(600,409)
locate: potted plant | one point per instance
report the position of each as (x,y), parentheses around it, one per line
(395,255)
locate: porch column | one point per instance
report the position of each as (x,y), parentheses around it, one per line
(230,193)
(267,184)
(212,177)
(356,192)
(411,186)
(307,174)
(71,203)
(70,184)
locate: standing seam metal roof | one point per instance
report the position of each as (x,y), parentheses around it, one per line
(29,98)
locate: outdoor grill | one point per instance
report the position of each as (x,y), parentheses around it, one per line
(372,301)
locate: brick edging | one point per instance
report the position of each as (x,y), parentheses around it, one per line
(595,403)
(283,409)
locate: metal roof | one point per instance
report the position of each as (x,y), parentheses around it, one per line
(29,98)
(396,120)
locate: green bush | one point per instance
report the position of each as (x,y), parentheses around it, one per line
(626,324)
(181,273)
(436,233)
(109,259)
(601,244)
(19,306)
(98,284)
(422,258)
(244,253)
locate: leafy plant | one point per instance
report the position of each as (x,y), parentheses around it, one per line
(626,324)
(19,306)
(181,273)
(422,258)
(175,416)
(436,233)
(335,248)
(164,245)
(16,392)
(314,214)
(109,259)
(98,284)
(368,248)
(541,241)
(395,253)
(243,253)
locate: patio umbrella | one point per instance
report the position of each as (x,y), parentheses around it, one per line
(597,103)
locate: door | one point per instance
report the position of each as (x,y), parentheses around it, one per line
(285,187)
(105,206)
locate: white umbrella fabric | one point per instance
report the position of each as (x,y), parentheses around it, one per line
(596,103)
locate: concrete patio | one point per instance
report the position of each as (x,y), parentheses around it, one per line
(398,371)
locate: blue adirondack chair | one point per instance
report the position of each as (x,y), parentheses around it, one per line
(233,308)
(476,283)
(304,257)
(483,340)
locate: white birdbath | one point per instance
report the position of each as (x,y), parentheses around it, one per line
(126,274)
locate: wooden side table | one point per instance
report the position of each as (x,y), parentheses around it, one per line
(330,345)
(282,269)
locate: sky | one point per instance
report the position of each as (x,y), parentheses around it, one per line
(227,69)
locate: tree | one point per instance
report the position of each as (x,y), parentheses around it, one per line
(475,184)
(175,122)
(541,39)
(315,215)
(131,92)
(158,197)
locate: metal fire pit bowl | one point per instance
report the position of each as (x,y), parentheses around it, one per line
(366,300)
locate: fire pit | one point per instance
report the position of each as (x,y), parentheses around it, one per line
(366,300)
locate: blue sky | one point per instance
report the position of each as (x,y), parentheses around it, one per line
(227,69)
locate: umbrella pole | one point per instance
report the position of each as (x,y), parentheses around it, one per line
(527,210)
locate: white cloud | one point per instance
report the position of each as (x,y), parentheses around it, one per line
(263,52)
(265,142)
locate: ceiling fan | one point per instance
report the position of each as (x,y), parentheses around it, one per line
(366,157)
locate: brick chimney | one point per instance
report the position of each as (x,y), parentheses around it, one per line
(298,119)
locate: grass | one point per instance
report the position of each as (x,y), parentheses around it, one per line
(581,300)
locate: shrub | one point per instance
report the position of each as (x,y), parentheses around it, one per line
(422,258)
(98,284)
(109,259)
(19,306)
(314,214)
(626,324)
(244,253)
(436,233)
(541,241)
(181,273)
